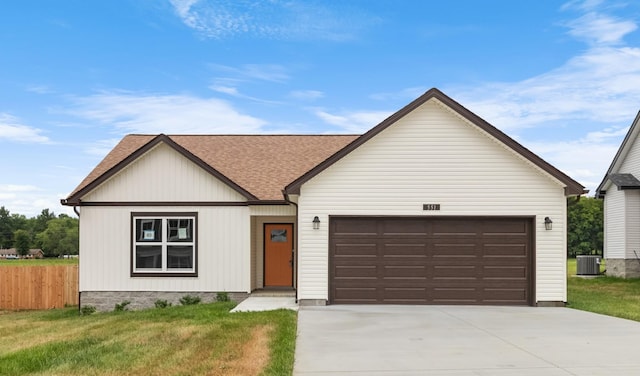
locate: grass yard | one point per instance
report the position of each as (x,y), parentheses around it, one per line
(606,295)
(38,262)
(203,339)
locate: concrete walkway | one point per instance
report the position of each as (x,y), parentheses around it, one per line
(463,341)
(266,303)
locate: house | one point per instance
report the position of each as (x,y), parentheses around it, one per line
(431,206)
(12,253)
(620,189)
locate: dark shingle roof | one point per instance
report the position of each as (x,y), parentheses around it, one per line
(625,181)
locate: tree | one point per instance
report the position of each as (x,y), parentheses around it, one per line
(60,237)
(39,223)
(585,226)
(6,228)
(22,242)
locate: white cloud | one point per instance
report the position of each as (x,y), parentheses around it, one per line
(599,85)
(29,200)
(138,113)
(586,159)
(252,72)
(306,95)
(100,148)
(12,130)
(598,29)
(274,19)
(354,122)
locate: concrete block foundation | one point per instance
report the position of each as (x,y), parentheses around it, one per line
(106,300)
(623,268)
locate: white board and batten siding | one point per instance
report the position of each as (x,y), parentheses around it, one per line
(433,156)
(164,175)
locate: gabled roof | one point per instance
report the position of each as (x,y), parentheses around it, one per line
(621,155)
(256,166)
(572,187)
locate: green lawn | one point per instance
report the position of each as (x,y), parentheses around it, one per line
(181,340)
(38,262)
(606,295)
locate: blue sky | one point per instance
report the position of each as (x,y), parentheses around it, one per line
(76,75)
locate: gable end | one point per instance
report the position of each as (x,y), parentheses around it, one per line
(75,198)
(571,186)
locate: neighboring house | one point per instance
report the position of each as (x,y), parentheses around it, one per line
(432,206)
(12,253)
(620,190)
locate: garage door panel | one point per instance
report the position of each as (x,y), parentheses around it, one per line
(519,249)
(409,295)
(405,271)
(431,261)
(504,272)
(354,249)
(392,227)
(355,226)
(404,250)
(356,271)
(455,271)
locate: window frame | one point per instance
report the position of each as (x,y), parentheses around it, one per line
(164,243)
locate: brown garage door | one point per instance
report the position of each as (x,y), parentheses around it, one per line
(381,260)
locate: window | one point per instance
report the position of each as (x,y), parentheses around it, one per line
(164,244)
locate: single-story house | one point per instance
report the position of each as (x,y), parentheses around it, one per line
(620,189)
(12,253)
(432,206)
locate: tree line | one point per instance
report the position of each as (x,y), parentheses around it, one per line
(55,235)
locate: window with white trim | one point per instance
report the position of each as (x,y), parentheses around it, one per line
(164,244)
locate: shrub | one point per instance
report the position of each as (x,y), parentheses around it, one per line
(87,310)
(189,300)
(122,306)
(222,297)
(160,303)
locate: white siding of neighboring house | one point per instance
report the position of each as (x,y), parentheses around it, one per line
(162,174)
(614,224)
(631,162)
(622,211)
(433,156)
(632,223)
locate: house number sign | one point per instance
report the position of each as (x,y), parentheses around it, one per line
(430,206)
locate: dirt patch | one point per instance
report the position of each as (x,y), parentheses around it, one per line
(254,358)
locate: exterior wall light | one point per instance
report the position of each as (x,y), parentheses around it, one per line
(548,223)
(316,223)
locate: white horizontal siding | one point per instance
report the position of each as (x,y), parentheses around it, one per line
(614,224)
(163,174)
(632,224)
(223,251)
(631,162)
(432,156)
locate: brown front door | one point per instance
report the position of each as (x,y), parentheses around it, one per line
(278,255)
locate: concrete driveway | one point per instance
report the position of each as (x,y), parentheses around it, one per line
(462,340)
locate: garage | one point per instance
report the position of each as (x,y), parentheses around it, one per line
(431,260)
